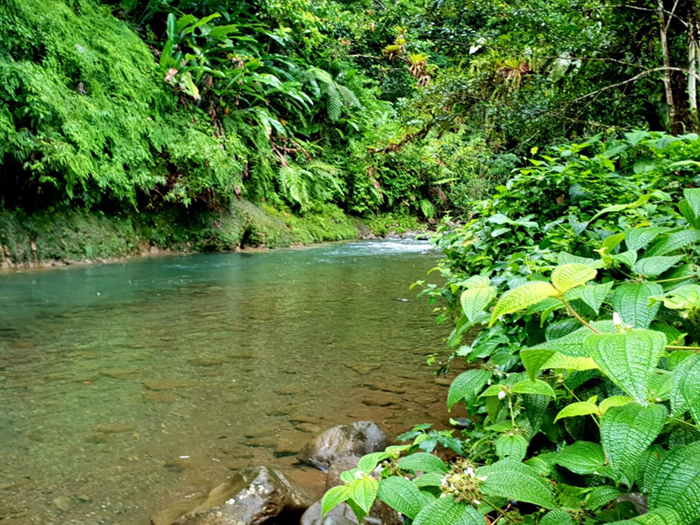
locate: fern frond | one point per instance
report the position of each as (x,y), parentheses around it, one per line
(349,98)
(334,102)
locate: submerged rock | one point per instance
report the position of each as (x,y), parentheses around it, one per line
(168,384)
(254,496)
(356,439)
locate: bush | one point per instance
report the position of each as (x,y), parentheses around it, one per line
(580,387)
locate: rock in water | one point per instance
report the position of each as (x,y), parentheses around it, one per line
(254,496)
(356,439)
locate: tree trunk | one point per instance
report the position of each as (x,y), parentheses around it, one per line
(663,37)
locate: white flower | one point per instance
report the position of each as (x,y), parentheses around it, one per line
(617,320)
(501,394)
(470,472)
(482,478)
(359,474)
(476,502)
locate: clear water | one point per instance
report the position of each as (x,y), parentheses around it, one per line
(127,387)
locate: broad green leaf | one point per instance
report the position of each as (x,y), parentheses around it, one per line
(369,462)
(614,401)
(446,511)
(583,457)
(475,300)
(612,241)
(583,408)
(431,479)
(627,431)
(638,238)
(334,497)
(363,492)
(476,281)
(423,462)
(677,483)
(692,195)
(648,465)
(512,479)
(534,387)
(467,384)
(536,360)
(567,258)
(600,496)
(661,516)
(572,275)
(557,517)
(688,214)
(631,301)
(511,446)
(653,266)
(628,359)
(522,297)
(594,296)
(686,388)
(349,475)
(572,343)
(673,242)
(681,298)
(629,258)
(401,495)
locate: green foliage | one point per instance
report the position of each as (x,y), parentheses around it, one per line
(584,371)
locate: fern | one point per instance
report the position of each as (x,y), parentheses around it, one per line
(334,102)
(427,207)
(349,98)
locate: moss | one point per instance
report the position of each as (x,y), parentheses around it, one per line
(70,235)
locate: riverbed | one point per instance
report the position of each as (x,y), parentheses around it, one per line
(128,386)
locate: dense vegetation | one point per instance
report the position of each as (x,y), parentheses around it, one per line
(405,107)
(556,138)
(580,391)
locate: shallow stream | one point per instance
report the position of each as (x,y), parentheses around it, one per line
(125,387)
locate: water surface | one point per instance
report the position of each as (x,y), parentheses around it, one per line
(126,387)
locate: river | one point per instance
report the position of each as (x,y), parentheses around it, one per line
(128,386)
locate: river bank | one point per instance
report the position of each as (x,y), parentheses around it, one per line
(54,237)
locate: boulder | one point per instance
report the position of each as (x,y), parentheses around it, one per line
(339,466)
(381,514)
(254,496)
(356,439)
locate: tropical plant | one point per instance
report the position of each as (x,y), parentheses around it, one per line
(581,389)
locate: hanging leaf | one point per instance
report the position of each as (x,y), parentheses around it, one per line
(534,387)
(536,360)
(520,298)
(600,496)
(677,483)
(467,384)
(363,492)
(474,300)
(653,266)
(572,275)
(401,495)
(512,479)
(583,457)
(628,359)
(631,301)
(672,242)
(334,497)
(583,408)
(627,431)
(686,388)
(614,401)
(638,238)
(594,296)
(511,446)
